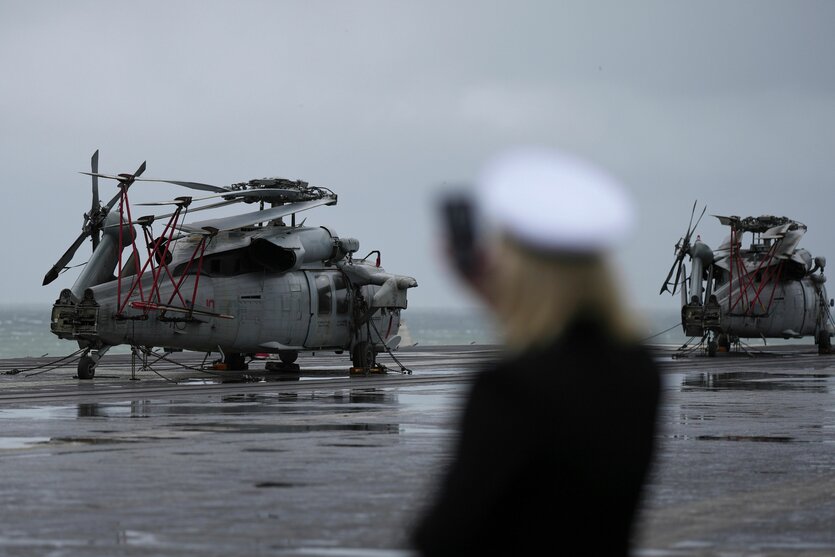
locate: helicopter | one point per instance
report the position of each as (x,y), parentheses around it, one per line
(246,285)
(771,289)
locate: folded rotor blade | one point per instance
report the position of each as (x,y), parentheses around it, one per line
(62,262)
(139,170)
(175,202)
(138,221)
(94,166)
(700,218)
(112,201)
(259,194)
(249,219)
(129,178)
(100,175)
(126,179)
(664,286)
(682,248)
(692,212)
(192,185)
(727,221)
(678,275)
(667,283)
(204,207)
(96,205)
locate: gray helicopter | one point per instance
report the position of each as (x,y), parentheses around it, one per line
(771,289)
(240,285)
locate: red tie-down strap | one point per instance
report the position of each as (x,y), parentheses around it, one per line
(161,247)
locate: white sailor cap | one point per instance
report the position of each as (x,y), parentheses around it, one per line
(554,201)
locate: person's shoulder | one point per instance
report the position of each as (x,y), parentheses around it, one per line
(525,373)
(583,352)
(589,338)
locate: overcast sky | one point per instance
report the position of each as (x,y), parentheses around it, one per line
(730,103)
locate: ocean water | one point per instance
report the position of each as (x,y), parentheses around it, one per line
(24,329)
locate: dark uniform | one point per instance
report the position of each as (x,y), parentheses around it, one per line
(554,450)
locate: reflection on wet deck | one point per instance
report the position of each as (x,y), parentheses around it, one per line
(332,465)
(756,381)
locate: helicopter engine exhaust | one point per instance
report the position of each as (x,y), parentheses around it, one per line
(271,256)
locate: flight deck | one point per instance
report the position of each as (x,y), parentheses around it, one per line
(168,459)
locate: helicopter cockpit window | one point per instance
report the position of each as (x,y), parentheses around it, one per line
(340,285)
(323,289)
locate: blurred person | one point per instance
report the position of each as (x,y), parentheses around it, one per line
(556,438)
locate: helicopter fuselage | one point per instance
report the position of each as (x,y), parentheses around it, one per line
(771,290)
(256,312)
(787,309)
(266,289)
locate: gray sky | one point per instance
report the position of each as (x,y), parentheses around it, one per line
(730,103)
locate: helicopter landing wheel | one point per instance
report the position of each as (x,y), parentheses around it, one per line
(712,346)
(235,362)
(86,367)
(362,356)
(288,356)
(724,342)
(824,343)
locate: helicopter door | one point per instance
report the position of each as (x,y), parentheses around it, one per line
(330,310)
(250,313)
(292,326)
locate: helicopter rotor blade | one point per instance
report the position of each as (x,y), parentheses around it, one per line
(682,248)
(94,219)
(192,185)
(168,215)
(125,179)
(699,219)
(62,262)
(249,219)
(205,207)
(678,275)
(95,208)
(112,201)
(692,227)
(94,166)
(139,171)
(675,266)
(666,284)
(689,224)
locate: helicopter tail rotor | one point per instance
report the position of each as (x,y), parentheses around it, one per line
(94,220)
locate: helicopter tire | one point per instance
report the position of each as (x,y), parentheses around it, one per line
(712,346)
(288,356)
(724,342)
(824,343)
(86,367)
(362,356)
(236,362)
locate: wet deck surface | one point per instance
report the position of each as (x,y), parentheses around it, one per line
(180,463)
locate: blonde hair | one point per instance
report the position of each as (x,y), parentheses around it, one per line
(536,295)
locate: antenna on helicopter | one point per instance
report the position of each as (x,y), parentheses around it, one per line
(682,248)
